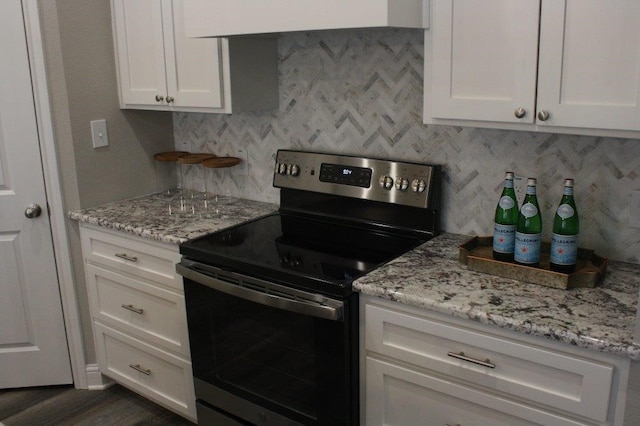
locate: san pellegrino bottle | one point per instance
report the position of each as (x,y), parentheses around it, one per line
(529,228)
(505,220)
(566,227)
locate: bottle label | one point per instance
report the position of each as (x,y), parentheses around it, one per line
(508,183)
(564,249)
(565,211)
(504,238)
(527,248)
(567,190)
(506,202)
(529,210)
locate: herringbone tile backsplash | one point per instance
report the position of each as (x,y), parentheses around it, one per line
(360,92)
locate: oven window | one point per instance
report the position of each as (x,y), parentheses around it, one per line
(292,364)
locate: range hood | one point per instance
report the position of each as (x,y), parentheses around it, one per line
(220,18)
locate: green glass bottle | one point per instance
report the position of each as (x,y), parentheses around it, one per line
(566,227)
(529,228)
(505,220)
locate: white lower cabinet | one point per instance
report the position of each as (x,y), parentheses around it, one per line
(423,368)
(139,320)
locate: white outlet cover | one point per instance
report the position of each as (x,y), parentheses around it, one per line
(242,169)
(634,210)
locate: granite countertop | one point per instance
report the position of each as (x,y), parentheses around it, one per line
(432,277)
(149,216)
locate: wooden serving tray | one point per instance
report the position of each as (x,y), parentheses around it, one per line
(477,254)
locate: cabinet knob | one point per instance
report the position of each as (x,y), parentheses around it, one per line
(520,112)
(159,98)
(170,99)
(543,115)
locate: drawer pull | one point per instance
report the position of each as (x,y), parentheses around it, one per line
(125,256)
(137,367)
(457,424)
(460,355)
(133,309)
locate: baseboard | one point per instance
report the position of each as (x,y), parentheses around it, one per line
(95,379)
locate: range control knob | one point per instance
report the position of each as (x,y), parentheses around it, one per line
(282,168)
(294,170)
(418,185)
(386,182)
(402,184)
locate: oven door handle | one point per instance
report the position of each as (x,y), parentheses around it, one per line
(291,300)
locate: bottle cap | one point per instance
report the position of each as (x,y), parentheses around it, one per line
(509,175)
(531,181)
(568,182)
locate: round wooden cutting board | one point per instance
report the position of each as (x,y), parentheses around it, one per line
(195,158)
(169,155)
(219,162)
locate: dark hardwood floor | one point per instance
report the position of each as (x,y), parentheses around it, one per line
(64,405)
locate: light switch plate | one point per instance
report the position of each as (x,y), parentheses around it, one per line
(99,133)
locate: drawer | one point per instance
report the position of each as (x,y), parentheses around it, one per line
(149,371)
(139,308)
(572,384)
(153,261)
(397,395)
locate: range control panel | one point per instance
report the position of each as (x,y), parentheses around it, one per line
(399,182)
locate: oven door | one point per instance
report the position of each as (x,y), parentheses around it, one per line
(268,354)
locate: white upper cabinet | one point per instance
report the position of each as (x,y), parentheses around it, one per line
(160,68)
(570,66)
(589,73)
(213,18)
(483,59)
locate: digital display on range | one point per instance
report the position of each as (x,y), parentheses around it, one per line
(345,175)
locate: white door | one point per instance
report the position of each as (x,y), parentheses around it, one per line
(33,345)
(589,74)
(481,60)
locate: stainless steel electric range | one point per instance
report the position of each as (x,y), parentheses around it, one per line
(273,320)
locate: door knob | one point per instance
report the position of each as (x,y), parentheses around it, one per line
(520,112)
(543,115)
(33,210)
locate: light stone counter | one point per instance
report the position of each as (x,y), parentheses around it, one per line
(431,277)
(149,217)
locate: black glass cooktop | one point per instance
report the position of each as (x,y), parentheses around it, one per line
(300,251)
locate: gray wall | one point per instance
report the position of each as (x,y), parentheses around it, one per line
(361,92)
(82,82)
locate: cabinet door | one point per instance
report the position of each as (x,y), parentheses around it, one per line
(140,51)
(589,74)
(481,60)
(194,65)
(397,395)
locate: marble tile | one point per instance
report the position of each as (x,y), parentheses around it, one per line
(360,92)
